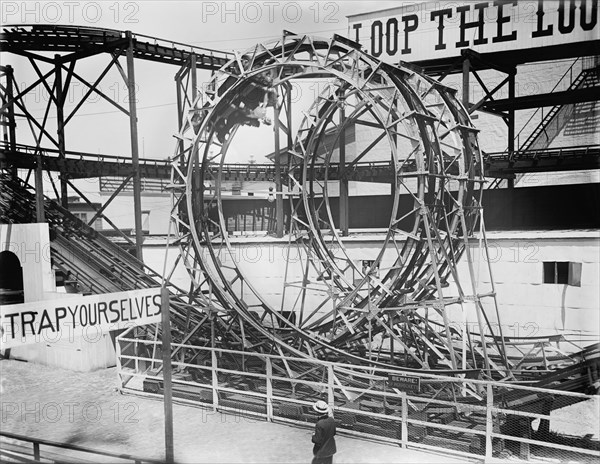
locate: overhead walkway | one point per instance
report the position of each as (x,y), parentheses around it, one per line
(87,41)
(87,165)
(80,165)
(507,164)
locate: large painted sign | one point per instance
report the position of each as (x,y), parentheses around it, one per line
(433,30)
(87,316)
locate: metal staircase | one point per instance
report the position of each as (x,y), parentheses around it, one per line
(551,123)
(554,120)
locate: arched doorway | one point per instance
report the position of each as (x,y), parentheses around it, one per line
(11,282)
(11,278)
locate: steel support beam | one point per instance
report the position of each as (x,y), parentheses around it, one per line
(60,130)
(167,377)
(137,183)
(278,190)
(40,214)
(10,113)
(99,213)
(344,202)
(466,69)
(197,185)
(510,121)
(547,99)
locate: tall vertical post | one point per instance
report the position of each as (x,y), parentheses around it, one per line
(180,100)
(269,380)
(137,181)
(278,189)
(10,114)
(168,392)
(404,424)
(40,215)
(391,316)
(290,137)
(489,421)
(330,386)
(197,179)
(511,121)
(344,204)
(466,69)
(194,77)
(60,129)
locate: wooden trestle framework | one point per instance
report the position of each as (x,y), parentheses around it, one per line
(332,306)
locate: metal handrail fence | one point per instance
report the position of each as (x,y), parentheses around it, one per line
(22,454)
(479,417)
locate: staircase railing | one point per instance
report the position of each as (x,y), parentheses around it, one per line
(550,123)
(545,117)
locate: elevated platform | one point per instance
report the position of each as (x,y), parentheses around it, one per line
(507,164)
(88,41)
(507,61)
(80,165)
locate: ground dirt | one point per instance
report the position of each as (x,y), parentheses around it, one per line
(87,409)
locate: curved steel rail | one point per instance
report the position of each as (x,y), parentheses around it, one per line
(331,306)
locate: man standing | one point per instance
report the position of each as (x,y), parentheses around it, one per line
(323,438)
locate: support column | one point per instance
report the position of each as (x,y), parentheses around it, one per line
(466,69)
(197,178)
(290,138)
(167,376)
(137,182)
(344,203)
(511,122)
(10,114)
(194,77)
(278,189)
(40,215)
(180,100)
(60,130)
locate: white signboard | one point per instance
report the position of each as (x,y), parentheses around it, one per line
(433,30)
(87,316)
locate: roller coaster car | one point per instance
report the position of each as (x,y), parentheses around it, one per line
(249,108)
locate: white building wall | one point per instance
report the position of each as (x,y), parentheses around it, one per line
(527,306)
(532,307)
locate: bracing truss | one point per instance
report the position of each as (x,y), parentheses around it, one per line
(404,306)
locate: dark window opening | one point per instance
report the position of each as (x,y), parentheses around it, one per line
(562,272)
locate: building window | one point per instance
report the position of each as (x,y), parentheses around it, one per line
(562,272)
